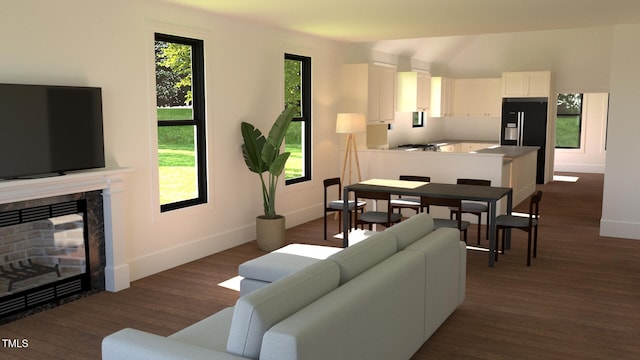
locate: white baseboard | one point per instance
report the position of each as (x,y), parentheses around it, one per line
(178,255)
(619,229)
(117,278)
(301,216)
(169,258)
(579,168)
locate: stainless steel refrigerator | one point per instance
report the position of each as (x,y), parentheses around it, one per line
(524,123)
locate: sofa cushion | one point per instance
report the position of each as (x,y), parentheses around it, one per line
(412,229)
(360,257)
(256,312)
(284,261)
(273,266)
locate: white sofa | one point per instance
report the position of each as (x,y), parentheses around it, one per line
(379,299)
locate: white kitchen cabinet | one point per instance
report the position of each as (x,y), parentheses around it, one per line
(441,92)
(463,97)
(413,91)
(371,90)
(477,97)
(488,101)
(386,106)
(526,84)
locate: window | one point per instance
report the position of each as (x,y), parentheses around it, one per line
(181,121)
(569,121)
(418,119)
(297,93)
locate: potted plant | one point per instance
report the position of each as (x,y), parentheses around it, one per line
(262,156)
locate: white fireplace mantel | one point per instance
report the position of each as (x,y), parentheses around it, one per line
(111,182)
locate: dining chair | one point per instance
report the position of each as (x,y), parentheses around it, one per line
(336,206)
(474,207)
(458,223)
(370,217)
(412,203)
(525,223)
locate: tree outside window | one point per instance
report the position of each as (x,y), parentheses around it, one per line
(569,121)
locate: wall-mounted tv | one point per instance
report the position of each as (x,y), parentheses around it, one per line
(47,130)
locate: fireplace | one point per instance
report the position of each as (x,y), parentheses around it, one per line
(104,222)
(52,250)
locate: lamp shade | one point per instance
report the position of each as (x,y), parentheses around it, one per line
(350,123)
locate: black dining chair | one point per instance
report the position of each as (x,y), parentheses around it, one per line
(474,207)
(458,223)
(371,217)
(336,206)
(524,223)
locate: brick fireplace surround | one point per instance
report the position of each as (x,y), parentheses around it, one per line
(111,183)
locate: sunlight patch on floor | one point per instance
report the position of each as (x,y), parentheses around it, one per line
(233,283)
(565,178)
(469,247)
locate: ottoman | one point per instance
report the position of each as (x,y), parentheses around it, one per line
(277,264)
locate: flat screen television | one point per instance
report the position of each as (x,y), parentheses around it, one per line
(48,130)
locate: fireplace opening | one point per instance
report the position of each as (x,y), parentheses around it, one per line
(46,256)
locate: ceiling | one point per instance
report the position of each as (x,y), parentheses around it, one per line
(373,20)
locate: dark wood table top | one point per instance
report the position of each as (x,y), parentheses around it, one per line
(457,191)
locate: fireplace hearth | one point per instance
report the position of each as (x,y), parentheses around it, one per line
(52,251)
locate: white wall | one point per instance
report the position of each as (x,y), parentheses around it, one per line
(621,203)
(403,132)
(110,44)
(579,59)
(450,128)
(473,128)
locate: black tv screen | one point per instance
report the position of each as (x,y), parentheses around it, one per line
(48,130)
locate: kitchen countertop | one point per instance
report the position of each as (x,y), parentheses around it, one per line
(509,152)
(450,142)
(455,146)
(453,142)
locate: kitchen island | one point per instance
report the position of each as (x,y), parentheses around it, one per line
(505,166)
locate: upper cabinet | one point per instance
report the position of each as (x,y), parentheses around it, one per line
(526,84)
(413,91)
(371,90)
(441,96)
(477,97)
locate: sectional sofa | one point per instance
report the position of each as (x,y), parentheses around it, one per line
(381,298)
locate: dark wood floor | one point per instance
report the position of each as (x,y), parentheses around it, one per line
(580,299)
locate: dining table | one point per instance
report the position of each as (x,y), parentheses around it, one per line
(489,194)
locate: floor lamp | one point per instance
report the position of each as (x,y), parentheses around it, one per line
(351,123)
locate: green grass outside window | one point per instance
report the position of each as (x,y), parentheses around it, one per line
(177,162)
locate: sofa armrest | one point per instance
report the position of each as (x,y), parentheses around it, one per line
(135,344)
